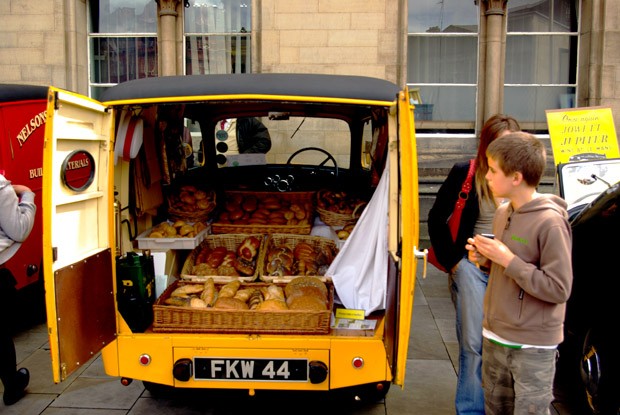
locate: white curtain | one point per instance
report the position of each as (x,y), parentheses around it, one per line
(359,272)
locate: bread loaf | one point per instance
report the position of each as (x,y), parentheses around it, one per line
(230,289)
(308,303)
(305,282)
(305,290)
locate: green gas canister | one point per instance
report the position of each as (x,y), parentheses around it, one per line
(135,289)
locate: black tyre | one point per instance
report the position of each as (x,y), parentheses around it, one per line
(158,390)
(363,394)
(600,373)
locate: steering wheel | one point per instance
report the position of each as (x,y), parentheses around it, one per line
(329,157)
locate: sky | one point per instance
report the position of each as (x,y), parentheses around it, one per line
(424,14)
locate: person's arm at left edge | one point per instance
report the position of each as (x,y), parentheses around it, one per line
(253,136)
(17,209)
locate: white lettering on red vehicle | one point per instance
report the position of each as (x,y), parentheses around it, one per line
(34,173)
(77,164)
(34,123)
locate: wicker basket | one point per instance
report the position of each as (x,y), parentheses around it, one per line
(223,228)
(302,198)
(340,219)
(196,216)
(338,199)
(317,242)
(230,242)
(173,319)
(199,215)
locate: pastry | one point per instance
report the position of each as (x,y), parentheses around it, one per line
(272,291)
(256,298)
(248,249)
(244,266)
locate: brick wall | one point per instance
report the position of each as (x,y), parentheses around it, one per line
(330,36)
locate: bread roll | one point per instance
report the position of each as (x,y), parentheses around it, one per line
(230,289)
(208,293)
(178,301)
(230,303)
(272,305)
(196,302)
(244,294)
(185,230)
(186,290)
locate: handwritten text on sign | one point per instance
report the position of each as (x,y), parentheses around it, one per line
(582,131)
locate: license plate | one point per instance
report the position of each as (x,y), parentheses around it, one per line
(289,370)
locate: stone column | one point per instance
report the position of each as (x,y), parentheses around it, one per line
(495,12)
(167,13)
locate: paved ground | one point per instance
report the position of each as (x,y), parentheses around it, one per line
(429,385)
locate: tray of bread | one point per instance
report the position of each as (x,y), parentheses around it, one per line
(223,257)
(286,256)
(265,213)
(302,305)
(177,234)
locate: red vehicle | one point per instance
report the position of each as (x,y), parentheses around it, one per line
(22,131)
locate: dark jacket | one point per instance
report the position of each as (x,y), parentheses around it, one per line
(252,136)
(526,301)
(449,253)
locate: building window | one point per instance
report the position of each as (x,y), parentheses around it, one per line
(541,59)
(442,61)
(122,42)
(217,37)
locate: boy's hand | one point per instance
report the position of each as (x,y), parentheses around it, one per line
(492,249)
(474,255)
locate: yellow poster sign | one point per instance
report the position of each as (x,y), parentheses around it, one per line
(582,134)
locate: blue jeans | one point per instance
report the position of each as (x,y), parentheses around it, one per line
(467,286)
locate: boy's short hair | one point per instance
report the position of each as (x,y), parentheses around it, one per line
(520,152)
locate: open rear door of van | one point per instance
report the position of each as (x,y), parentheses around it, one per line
(408,235)
(78,230)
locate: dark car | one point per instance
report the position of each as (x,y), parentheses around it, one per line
(588,367)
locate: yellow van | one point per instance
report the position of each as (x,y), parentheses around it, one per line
(335,153)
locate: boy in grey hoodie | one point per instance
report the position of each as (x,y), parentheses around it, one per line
(17,210)
(529,282)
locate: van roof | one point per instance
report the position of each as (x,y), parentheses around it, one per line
(164,88)
(21,92)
